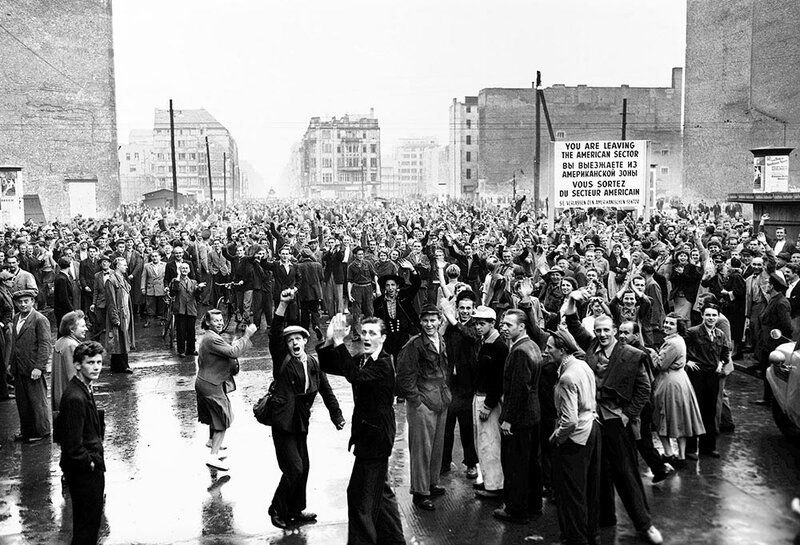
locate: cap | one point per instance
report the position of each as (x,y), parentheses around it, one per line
(718,258)
(777,282)
(23,293)
(105,257)
(306,252)
(567,340)
(292,329)
(429,308)
(386,277)
(786,256)
(484,313)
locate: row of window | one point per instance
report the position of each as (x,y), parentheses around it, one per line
(349,148)
(182,132)
(344,162)
(326,134)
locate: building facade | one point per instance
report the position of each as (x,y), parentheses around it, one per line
(741,91)
(463,158)
(504,132)
(57,105)
(341,157)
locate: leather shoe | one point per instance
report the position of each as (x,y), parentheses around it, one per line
(478,486)
(423,502)
(278,522)
(502,514)
(489,494)
(437,491)
(710,453)
(303,517)
(472,472)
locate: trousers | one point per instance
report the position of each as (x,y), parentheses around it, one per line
(706,389)
(620,471)
(487,444)
(576,483)
(185,331)
(86,491)
(32,405)
(522,471)
(291,450)
(425,446)
(459,410)
(373,517)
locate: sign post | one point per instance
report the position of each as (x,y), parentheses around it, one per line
(601,174)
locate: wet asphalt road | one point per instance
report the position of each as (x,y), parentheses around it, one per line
(158,489)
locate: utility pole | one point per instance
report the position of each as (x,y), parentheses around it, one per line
(225,179)
(514,190)
(172,149)
(538,150)
(208,163)
(624,116)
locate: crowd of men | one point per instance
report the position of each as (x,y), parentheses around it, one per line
(497,320)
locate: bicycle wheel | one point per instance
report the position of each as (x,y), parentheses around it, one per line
(224,308)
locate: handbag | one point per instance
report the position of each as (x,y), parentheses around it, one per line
(262,409)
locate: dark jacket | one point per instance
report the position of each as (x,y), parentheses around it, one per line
(489,377)
(80,431)
(776,315)
(373,423)
(422,373)
(292,405)
(625,381)
(31,347)
(702,350)
(86,273)
(521,385)
(62,298)
(334,267)
(282,279)
(184,299)
(171,271)
(310,287)
(405,324)
(462,354)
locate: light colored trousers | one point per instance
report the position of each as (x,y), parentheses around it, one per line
(487,444)
(425,446)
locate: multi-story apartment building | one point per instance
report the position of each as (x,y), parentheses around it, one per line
(463,135)
(341,157)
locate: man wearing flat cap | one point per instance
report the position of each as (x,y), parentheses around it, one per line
(422,370)
(30,351)
(776,315)
(297,380)
(395,306)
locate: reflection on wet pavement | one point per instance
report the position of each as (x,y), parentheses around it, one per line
(158,489)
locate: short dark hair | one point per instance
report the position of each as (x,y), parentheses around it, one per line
(634,324)
(64,262)
(520,316)
(87,349)
(681,321)
(206,323)
(377,321)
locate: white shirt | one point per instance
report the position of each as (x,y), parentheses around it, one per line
(791,287)
(21,322)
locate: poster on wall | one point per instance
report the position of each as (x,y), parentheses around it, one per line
(758,174)
(776,173)
(11,191)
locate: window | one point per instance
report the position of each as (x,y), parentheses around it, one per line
(182,169)
(133,168)
(193,156)
(469,109)
(373,177)
(560,134)
(469,139)
(664,170)
(364,149)
(664,152)
(469,174)
(373,148)
(160,156)
(135,155)
(469,123)
(161,169)
(127,156)
(327,178)
(181,156)
(373,162)
(469,156)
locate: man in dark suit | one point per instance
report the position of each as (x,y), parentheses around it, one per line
(62,299)
(334,269)
(184,292)
(309,291)
(395,306)
(79,429)
(776,315)
(98,307)
(285,276)
(470,264)
(373,516)
(297,378)
(87,270)
(171,270)
(30,351)
(519,423)
(791,273)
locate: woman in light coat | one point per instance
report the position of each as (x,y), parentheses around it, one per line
(71,332)
(216,364)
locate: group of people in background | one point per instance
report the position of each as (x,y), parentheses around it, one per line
(561,349)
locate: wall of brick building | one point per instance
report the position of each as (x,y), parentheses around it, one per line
(60,126)
(507,125)
(741,91)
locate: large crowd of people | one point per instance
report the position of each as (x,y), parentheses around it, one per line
(560,347)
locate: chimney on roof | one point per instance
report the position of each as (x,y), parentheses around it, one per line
(372,112)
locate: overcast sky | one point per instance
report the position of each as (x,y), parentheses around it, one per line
(263,68)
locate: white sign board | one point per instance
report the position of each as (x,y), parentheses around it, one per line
(83,198)
(776,173)
(601,173)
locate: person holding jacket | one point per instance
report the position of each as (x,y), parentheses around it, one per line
(373,515)
(298,378)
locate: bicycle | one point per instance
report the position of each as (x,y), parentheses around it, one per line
(226,304)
